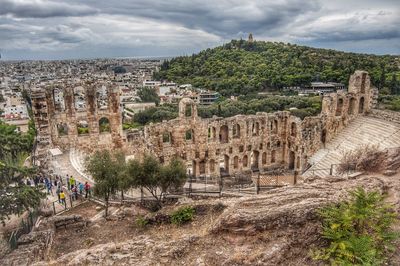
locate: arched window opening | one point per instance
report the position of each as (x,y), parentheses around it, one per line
(236,131)
(188,110)
(223,134)
(189,135)
(291,160)
(339,107)
(202,167)
(166,137)
(273,155)
(352,104)
(235,162)
(104,125)
(212,166)
(245,161)
(83,127)
(62,129)
(256,129)
(264,158)
(255,155)
(361,105)
(293,129)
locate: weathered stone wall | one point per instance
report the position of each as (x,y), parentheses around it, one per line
(387,115)
(210,147)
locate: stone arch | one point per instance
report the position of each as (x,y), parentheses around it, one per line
(323,136)
(58,99)
(166,137)
(236,131)
(352,106)
(102,97)
(256,129)
(224,164)
(224,134)
(80,99)
(189,135)
(184,111)
(255,156)
(273,156)
(82,127)
(245,161)
(264,158)
(361,105)
(212,166)
(235,162)
(339,107)
(62,129)
(293,129)
(291,160)
(104,125)
(202,167)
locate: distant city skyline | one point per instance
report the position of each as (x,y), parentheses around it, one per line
(72,29)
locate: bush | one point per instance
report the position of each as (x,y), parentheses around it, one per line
(141,221)
(358,231)
(182,215)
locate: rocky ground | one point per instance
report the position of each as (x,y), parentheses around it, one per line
(278,227)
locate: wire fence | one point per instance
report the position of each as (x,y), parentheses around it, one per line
(25,227)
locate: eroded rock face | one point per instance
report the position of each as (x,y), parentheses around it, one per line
(275,229)
(287,207)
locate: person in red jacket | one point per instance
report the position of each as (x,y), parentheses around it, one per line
(87,189)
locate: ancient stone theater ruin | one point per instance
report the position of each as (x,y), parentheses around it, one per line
(87,117)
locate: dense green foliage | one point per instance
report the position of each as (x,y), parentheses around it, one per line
(358,231)
(15,196)
(158,179)
(148,95)
(299,106)
(391,102)
(241,67)
(182,215)
(119,70)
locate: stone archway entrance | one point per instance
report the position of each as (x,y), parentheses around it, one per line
(291,160)
(323,137)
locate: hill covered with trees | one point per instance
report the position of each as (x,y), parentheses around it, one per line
(242,67)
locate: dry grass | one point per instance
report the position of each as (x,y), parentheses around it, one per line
(367,159)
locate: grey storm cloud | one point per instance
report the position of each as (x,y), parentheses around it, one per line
(43,9)
(223,17)
(159,27)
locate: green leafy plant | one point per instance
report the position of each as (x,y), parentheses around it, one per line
(358,231)
(182,215)
(141,221)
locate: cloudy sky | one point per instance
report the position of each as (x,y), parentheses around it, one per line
(58,29)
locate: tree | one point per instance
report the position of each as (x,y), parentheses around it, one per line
(148,94)
(105,168)
(15,196)
(156,178)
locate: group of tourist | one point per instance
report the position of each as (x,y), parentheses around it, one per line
(77,189)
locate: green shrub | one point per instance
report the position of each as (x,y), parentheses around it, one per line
(141,221)
(182,215)
(358,231)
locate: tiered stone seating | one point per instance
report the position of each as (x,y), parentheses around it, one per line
(359,133)
(77,159)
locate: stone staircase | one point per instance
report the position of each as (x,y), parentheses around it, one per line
(77,159)
(360,132)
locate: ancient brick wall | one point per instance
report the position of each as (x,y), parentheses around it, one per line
(211,147)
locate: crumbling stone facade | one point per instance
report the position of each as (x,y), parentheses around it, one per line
(210,147)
